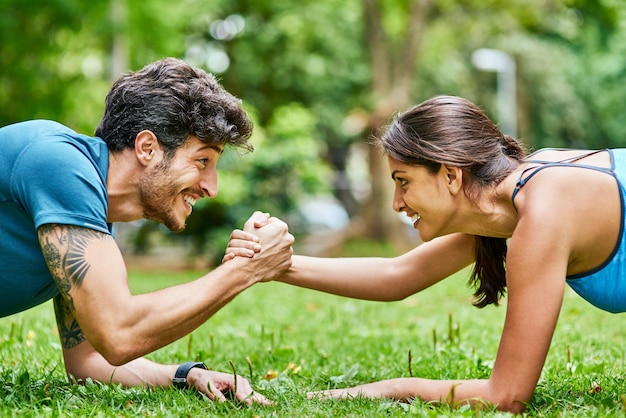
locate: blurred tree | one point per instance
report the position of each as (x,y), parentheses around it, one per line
(320,77)
(40,60)
(57,55)
(394,33)
(299,55)
(356,63)
(586,95)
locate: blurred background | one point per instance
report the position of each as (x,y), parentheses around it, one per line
(319,78)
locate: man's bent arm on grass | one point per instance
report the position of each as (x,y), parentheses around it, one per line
(83,362)
(103,325)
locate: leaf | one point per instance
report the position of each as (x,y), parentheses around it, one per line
(347,375)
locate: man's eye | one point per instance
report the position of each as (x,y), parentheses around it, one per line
(203,161)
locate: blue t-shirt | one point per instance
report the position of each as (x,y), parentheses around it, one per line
(48,174)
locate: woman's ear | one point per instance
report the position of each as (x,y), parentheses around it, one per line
(453,177)
(146,147)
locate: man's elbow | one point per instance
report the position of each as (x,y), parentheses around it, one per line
(512,406)
(117,348)
(512,402)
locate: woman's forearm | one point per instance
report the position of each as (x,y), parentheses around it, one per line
(383,279)
(360,278)
(452,392)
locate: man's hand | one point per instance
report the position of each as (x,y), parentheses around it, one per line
(246,243)
(216,386)
(274,258)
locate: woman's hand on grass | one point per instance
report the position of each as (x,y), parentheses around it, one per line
(219,387)
(398,389)
(372,390)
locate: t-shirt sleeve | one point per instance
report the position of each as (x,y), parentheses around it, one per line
(57,183)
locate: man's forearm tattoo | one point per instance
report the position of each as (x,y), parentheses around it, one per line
(70,332)
(64,248)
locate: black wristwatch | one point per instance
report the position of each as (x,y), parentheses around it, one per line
(180,378)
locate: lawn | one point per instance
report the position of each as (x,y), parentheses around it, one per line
(288,341)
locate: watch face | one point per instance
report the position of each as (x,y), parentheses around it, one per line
(180,378)
(180,382)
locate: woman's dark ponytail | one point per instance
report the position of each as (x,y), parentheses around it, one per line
(489,274)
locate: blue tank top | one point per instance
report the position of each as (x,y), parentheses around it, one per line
(604,286)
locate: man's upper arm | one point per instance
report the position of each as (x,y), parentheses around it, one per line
(89,271)
(63,248)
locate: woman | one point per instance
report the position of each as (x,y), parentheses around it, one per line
(530,224)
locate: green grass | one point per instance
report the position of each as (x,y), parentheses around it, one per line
(332,342)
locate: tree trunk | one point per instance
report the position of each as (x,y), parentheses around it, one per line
(394,67)
(119,45)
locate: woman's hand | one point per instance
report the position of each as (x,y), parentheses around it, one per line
(243,243)
(381,389)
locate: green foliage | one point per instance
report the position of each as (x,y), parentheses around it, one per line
(308,61)
(308,54)
(569,75)
(367,248)
(39,65)
(56,54)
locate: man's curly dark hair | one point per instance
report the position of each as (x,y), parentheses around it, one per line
(175,101)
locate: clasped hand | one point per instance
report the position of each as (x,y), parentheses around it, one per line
(265,238)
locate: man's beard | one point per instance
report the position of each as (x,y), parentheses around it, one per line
(158,191)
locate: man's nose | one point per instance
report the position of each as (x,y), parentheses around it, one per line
(208,183)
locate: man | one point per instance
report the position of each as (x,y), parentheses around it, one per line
(154,156)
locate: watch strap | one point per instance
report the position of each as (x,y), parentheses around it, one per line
(180,378)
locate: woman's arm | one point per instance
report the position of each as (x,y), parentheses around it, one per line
(384,279)
(537,260)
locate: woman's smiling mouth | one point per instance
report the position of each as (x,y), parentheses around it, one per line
(415,219)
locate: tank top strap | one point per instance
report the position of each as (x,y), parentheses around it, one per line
(567,162)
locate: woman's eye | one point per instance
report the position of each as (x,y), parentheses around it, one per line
(403,182)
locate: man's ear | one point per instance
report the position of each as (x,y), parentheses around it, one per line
(146,147)
(453,177)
